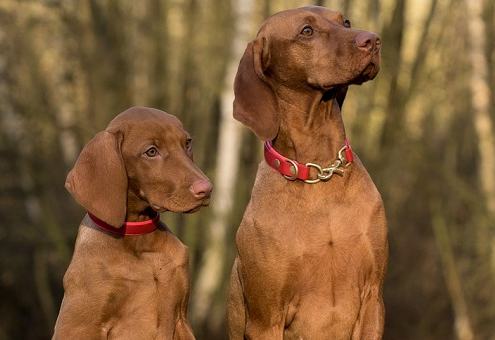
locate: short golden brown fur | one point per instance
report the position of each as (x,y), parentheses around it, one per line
(131,287)
(311,257)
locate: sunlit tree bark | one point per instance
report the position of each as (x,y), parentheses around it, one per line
(212,271)
(481,99)
(462,324)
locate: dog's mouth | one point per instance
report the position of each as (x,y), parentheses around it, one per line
(360,75)
(178,208)
(367,74)
(203,203)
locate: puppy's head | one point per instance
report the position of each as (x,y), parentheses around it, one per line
(142,160)
(306,49)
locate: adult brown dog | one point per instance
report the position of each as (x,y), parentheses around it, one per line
(312,246)
(129,275)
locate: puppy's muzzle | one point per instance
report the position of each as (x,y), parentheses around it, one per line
(202,189)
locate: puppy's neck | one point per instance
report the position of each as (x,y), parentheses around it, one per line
(138,208)
(311,128)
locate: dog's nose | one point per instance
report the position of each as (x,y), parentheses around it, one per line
(201,189)
(368,41)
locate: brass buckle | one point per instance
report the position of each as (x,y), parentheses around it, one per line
(342,157)
(318,176)
(324,174)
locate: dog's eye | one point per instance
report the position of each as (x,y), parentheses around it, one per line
(151,152)
(347,23)
(307,31)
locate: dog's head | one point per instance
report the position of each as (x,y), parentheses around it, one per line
(143,160)
(305,50)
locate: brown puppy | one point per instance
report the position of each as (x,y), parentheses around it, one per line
(312,246)
(129,275)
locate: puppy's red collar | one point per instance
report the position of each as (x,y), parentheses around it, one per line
(293,170)
(129,228)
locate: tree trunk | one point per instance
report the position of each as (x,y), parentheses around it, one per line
(462,323)
(480,101)
(211,274)
(393,35)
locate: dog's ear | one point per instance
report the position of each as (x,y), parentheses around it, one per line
(255,103)
(98,180)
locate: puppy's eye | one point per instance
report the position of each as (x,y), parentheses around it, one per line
(347,23)
(151,152)
(307,31)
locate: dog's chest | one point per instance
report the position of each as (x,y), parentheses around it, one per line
(315,226)
(127,290)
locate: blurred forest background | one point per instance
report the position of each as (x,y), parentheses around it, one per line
(424,128)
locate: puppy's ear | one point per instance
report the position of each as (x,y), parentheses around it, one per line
(255,103)
(98,180)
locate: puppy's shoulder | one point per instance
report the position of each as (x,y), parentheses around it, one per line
(172,246)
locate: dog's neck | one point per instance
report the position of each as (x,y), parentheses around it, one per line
(311,127)
(138,209)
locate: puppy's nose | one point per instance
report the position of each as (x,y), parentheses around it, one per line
(368,41)
(201,189)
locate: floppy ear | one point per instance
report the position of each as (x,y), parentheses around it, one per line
(98,180)
(255,103)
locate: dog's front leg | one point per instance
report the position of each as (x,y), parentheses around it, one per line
(236,311)
(255,312)
(371,319)
(183,330)
(265,312)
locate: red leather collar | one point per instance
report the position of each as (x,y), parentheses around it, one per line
(129,228)
(293,170)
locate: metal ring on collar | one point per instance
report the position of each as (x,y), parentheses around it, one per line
(296,170)
(318,177)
